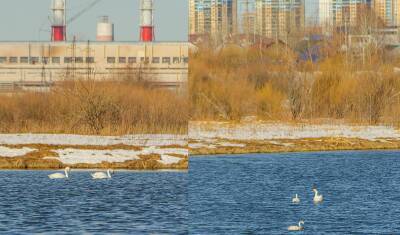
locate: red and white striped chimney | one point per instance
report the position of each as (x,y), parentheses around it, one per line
(58,27)
(146,21)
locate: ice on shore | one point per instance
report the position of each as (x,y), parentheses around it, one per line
(89,156)
(151,144)
(76,156)
(167,159)
(14,152)
(206,131)
(66,139)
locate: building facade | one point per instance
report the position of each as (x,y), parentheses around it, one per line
(214,18)
(342,14)
(35,63)
(388,11)
(279,18)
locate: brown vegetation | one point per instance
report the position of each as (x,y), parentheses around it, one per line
(95,107)
(300,145)
(232,82)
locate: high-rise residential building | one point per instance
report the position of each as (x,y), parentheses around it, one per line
(279,18)
(348,13)
(199,17)
(216,18)
(325,14)
(248,21)
(388,11)
(344,14)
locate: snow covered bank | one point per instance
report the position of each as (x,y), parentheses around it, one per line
(270,131)
(89,156)
(64,139)
(14,152)
(254,136)
(124,152)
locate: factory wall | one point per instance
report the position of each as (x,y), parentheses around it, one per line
(35,62)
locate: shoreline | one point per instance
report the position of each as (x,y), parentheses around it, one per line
(206,153)
(214,138)
(131,152)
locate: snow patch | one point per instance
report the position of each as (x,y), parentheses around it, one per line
(65,139)
(228,144)
(14,152)
(75,156)
(201,145)
(89,156)
(268,131)
(167,159)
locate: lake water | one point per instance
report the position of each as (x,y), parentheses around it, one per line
(251,194)
(129,203)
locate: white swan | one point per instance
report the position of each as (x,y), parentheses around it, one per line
(297,227)
(102,175)
(60,175)
(296,200)
(318,198)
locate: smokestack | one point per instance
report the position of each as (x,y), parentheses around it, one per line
(146,21)
(58,28)
(105,30)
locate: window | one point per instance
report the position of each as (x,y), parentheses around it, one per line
(45,60)
(24,60)
(55,60)
(111,60)
(13,60)
(186,60)
(122,60)
(67,60)
(3,60)
(34,60)
(90,60)
(176,60)
(132,60)
(79,60)
(144,60)
(166,60)
(155,60)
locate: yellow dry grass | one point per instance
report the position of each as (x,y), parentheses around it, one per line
(95,108)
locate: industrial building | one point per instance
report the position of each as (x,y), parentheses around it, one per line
(36,64)
(43,62)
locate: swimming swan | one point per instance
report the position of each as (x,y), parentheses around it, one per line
(296,200)
(102,175)
(317,198)
(297,227)
(60,175)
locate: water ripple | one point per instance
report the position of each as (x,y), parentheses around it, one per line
(130,203)
(251,194)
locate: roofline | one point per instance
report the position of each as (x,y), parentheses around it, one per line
(98,42)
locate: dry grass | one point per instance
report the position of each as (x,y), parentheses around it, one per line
(272,84)
(95,107)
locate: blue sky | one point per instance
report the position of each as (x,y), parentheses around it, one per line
(28,19)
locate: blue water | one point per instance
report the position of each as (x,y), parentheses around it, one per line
(130,203)
(251,194)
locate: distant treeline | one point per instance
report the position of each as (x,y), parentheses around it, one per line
(233,82)
(95,107)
